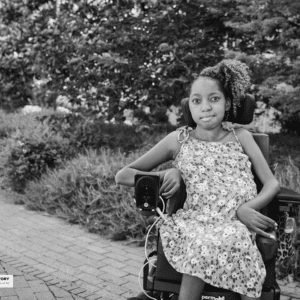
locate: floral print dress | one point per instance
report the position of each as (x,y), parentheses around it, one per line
(205,238)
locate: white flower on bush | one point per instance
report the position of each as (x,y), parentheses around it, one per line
(128,122)
(62,101)
(62,110)
(146,110)
(28,109)
(129,117)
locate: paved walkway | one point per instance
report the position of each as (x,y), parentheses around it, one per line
(51,259)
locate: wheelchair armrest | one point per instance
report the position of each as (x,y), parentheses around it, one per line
(267,246)
(287,195)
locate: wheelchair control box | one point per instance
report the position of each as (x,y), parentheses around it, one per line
(146,193)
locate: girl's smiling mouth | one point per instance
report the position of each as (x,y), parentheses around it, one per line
(207,118)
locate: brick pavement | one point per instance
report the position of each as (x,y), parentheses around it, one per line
(51,259)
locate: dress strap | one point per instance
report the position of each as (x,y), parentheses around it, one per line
(236,137)
(183,134)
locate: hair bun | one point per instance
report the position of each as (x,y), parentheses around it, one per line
(233,76)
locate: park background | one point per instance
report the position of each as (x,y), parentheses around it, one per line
(88,86)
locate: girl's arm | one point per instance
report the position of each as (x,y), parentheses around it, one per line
(163,151)
(248,212)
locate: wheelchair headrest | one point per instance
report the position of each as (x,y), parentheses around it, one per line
(244,114)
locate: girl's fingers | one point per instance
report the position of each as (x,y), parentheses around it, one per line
(271,223)
(265,234)
(171,190)
(264,223)
(168,194)
(169,187)
(165,187)
(262,226)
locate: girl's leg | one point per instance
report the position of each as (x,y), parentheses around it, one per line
(244,297)
(191,288)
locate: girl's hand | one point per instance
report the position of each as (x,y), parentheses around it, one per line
(256,221)
(171,183)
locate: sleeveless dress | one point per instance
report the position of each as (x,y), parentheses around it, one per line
(205,238)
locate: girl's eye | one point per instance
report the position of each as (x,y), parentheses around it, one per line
(196,100)
(215,99)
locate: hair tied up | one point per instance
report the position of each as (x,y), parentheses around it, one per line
(233,76)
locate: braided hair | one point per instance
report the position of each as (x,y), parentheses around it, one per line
(234,78)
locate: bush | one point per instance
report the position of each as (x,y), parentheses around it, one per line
(30,159)
(92,133)
(40,141)
(84,191)
(32,148)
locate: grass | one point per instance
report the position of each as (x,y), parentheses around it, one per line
(83,191)
(285,151)
(16,124)
(288,175)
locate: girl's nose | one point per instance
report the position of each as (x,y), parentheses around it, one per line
(206,105)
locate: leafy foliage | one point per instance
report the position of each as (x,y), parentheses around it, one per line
(30,158)
(83,191)
(90,133)
(37,142)
(105,55)
(269,39)
(109,55)
(30,147)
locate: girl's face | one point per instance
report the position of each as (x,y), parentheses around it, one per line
(207,103)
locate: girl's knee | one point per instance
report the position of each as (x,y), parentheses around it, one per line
(191,287)
(192,279)
(244,297)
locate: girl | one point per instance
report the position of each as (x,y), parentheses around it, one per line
(210,239)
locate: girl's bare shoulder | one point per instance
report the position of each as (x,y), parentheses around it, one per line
(246,139)
(172,140)
(243,134)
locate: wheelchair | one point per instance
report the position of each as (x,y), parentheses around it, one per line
(161,281)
